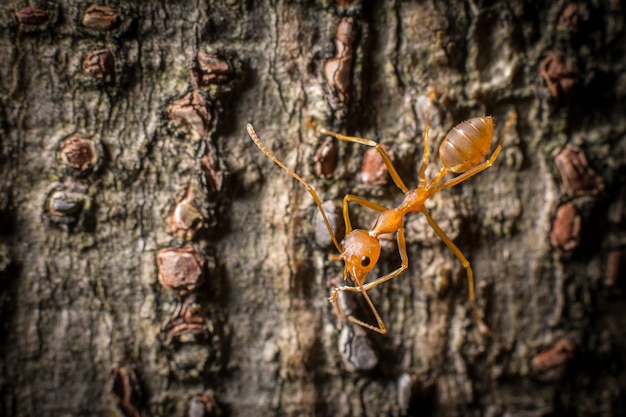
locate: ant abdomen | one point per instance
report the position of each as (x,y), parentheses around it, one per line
(466,144)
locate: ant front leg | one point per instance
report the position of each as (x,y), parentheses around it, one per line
(382,329)
(392,170)
(470,274)
(365,203)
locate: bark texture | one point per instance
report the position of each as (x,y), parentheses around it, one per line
(153,262)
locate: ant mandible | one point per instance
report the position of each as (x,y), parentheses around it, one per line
(461,152)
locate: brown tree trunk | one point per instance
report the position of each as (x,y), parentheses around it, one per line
(154,262)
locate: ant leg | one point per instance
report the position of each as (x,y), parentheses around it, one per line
(309,188)
(392,170)
(365,203)
(470,274)
(481,167)
(382,329)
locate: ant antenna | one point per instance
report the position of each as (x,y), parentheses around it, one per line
(267,153)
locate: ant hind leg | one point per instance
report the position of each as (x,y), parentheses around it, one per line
(365,203)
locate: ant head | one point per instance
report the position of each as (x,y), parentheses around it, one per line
(360,252)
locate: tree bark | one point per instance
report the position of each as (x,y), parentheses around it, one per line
(154,262)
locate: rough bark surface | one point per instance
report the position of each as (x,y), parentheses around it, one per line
(123,139)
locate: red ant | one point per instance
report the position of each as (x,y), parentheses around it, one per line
(461,152)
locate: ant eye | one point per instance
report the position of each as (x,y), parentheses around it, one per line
(365,261)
